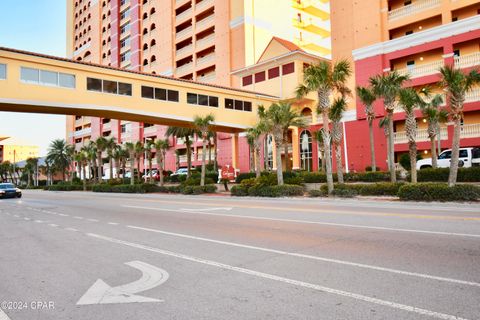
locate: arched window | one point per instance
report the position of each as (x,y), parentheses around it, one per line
(268,152)
(153,72)
(76,38)
(89,39)
(87,54)
(104,29)
(153,58)
(79,59)
(109,26)
(109,39)
(104,16)
(104,55)
(89,15)
(152,11)
(76,15)
(306,151)
(84,31)
(89,28)
(153,42)
(145,1)
(145,46)
(145,62)
(76,4)
(104,4)
(145,31)
(80,24)
(104,42)
(145,16)
(152,27)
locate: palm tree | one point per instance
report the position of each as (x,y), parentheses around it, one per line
(325,79)
(185,134)
(177,159)
(59,155)
(139,152)
(102,145)
(111,145)
(81,159)
(130,147)
(161,147)
(457,84)
(149,145)
(116,154)
(388,86)
(91,153)
(383,123)
(203,125)
(335,114)
(29,169)
(254,138)
(367,97)
(278,118)
(434,116)
(321,147)
(409,101)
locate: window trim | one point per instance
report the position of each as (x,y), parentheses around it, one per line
(167,94)
(6,71)
(44,84)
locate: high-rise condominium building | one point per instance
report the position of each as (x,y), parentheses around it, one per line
(198,40)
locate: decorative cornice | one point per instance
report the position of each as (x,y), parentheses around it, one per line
(419,38)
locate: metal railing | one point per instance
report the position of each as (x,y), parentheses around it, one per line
(423,69)
(411,9)
(203,5)
(206,59)
(473,95)
(202,23)
(468,60)
(422,135)
(470,130)
(184,68)
(205,40)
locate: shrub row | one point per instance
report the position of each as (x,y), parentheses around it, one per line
(125,188)
(274,191)
(438,192)
(300,177)
(441,175)
(65,187)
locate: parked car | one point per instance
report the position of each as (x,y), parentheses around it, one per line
(8,190)
(182,172)
(468,157)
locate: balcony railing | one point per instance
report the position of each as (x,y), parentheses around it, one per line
(184,15)
(184,32)
(205,22)
(411,9)
(184,68)
(150,130)
(206,59)
(184,50)
(107,126)
(82,132)
(468,60)
(470,130)
(422,135)
(308,119)
(473,95)
(203,5)
(423,69)
(207,40)
(207,78)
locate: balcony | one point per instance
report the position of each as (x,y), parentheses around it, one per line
(423,69)
(312,26)
(203,5)
(184,15)
(150,130)
(470,131)
(107,126)
(312,46)
(183,33)
(313,7)
(184,50)
(184,69)
(473,95)
(208,78)
(210,58)
(83,132)
(412,9)
(468,60)
(422,136)
(205,41)
(205,22)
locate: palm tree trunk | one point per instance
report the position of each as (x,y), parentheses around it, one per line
(338,158)
(209,152)
(215,158)
(412,149)
(84,177)
(138,168)
(204,159)
(278,154)
(160,166)
(258,164)
(132,167)
(433,150)
(252,159)
(110,160)
(287,159)
(391,151)
(452,178)
(372,146)
(100,167)
(150,177)
(124,168)
(117,168)
(328,158)
(189,158)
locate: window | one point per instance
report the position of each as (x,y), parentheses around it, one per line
(463,153)
(125,42)
(202,100)
(456,53)
(260,76)
(3,71)
(125,28)
(108,86)
(306,151)
(213,102)
(45,77)
(273,73)
(288,68)
(192,98)
(410,64)
(159,94)
(124,89)
(124,14)
(238,105)
(94,84)
(445,155)
(246,81)
(125,56)
(409,32)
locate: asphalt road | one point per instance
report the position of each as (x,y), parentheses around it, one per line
(97,256)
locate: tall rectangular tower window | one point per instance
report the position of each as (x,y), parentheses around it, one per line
(3,71)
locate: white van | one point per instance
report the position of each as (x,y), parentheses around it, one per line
(468,157)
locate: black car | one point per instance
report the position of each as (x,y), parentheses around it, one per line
(8,190)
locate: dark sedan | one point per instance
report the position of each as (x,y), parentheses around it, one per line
(8,190)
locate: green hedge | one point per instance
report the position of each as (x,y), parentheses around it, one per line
(209,188)
(126,188)
(366,189)
(66,187)
(438,192)
(441,175)
(274,191)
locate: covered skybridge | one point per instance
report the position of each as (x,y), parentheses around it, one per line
(35,83)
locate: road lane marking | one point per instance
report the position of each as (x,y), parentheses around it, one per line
(113,223)
(27,219)
(92,220)
(313,222)
(71,229)
(306,256)
(16,216)
(3,315)
(79,218)
(63,215)
(53,225)
(102,293)
(332,211)
(297,283)
(209,209)
(39,221)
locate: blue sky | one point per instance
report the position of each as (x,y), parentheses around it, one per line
(39,26)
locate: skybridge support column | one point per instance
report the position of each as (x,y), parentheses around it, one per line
(235,160)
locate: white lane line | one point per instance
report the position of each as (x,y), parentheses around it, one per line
(27,219)
(63,215)
(312,222)
(79,218)
(92,220)
(16,216)
(71,229)
(3,315)
(298,283)
(306,256)
(113,223)
(39,221)
(53,225)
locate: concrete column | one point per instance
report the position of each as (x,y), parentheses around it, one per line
(295,149)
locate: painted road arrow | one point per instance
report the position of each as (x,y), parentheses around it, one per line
(102,293)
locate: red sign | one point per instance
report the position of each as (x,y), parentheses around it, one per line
(228,172)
